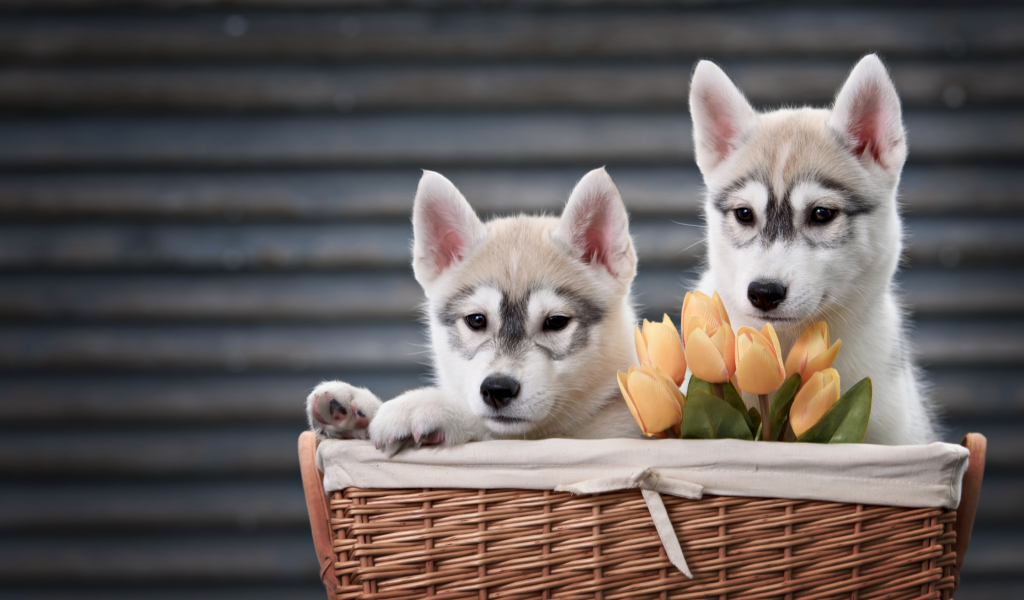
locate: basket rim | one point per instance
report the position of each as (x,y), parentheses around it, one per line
(908,476)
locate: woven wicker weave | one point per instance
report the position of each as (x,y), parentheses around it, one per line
(518,544)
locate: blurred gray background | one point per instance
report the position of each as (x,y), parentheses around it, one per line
(204,210)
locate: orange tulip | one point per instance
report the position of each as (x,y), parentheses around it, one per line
(813,400)
(652,397)
(811,352)
(659,345)
(759,367)
(708,339)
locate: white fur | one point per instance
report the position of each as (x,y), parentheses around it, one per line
(841,271)
(556,267)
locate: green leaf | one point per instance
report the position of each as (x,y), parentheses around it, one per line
(788,435)
(708,418)
(699,384)
(757,434)
(781,403)
(755,418)
(736,401)
(847,421)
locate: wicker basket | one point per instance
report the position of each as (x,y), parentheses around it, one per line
(518,544)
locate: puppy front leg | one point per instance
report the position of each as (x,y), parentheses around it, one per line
(339,410)
(421,417)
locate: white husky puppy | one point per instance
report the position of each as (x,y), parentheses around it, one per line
(803,225)
(529,318)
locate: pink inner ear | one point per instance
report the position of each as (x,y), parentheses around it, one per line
(596,238)
(866,124)
(447,242)
(722,123)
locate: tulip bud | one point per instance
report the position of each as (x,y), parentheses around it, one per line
(698,304)
(652,397)
(817,395)
(811,352)
(708,339)
(659,344)
(759,367)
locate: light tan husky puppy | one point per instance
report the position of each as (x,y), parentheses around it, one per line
(803,225)
(529,318)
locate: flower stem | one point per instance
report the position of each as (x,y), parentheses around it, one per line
(766,426)
(719,390)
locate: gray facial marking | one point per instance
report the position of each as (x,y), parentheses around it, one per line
(778,218)
(449,316)
(586,314)
(512,334)
(853,203)
(721,200)
(511,338)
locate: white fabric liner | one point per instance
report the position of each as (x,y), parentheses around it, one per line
(906,476)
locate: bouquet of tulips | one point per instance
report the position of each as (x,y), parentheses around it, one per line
(798,400)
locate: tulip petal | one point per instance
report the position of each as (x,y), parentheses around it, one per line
(694,323)
(743,342)
(624,388)
(705,360)
(641,345)
(702,306)
(759,372)
(797,356)
(672,387)
(769,332)
(814,400)
(817,342)
(657,408)
(723,314)
(725,340)
(665,350)
(823,360)
(812,343)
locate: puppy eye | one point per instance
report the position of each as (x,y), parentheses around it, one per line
(476,322)
(744,215)
(555,323)
(821,215)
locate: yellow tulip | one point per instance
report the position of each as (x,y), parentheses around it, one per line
(708,340)
(652,397)
(659,345)
(813,400)
(698,304)
(811,352)
(759,367)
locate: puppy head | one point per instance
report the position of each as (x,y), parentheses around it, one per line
(529,316)
(800,205)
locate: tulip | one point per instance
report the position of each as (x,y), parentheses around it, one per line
(759,367)
(708,339)
(813,400)
(659,345)
(811,352)
(653,398)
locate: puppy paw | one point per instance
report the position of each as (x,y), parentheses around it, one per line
(418,418)
(338,410)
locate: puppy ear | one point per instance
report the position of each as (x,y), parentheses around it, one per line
(721,115)
(867,114)
(445,228)
(595,227)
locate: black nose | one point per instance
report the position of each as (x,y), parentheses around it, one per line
(766,295)
(499,390)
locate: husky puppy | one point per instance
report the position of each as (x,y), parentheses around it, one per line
(803,225)
(529,319)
